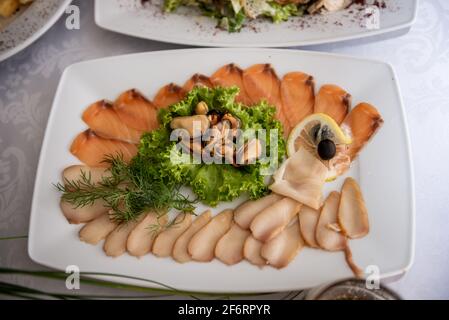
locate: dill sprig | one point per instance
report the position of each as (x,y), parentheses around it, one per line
(129,190)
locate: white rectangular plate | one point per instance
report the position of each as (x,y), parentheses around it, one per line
(383,171)
(187,26)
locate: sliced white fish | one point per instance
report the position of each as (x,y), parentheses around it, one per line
(229,249)
(246,212)
(74,173)
(180,252)
(252,251)
(352,213)
(308,221)
(326,236)
(202,245)
(86,213)
(281,250)
(272,220)
(83,214)
(140,240)
(163,244)
(301,177)
(98,229)
(356,270)
(115,243)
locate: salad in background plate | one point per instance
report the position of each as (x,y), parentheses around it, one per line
(232,14)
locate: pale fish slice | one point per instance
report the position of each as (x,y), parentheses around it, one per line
(326,236)
(308,221)
(229,249)
(333,101)
(363,122)
(164,242)
(272,220)
(140,240)
(298,96)
(82,214)
(228,76)
(136,111)
(74,173)
(168,95)
(202,245)
(356,270)
(115,243)
(98,229)
(301,177)
(281,250)
(246,212)
(197,80)
(180,252)
(251,251)
(352,212)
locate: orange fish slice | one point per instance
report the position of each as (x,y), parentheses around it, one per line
(333,101)
(197,80)
(262,83)
(228,76)
(102,119)
(298,96)
(91,149)
(168,95)
(363,121)
(136,111)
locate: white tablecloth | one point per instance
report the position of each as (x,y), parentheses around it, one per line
(28,83)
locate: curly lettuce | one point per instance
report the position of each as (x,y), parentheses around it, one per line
(212,183)
(280,13)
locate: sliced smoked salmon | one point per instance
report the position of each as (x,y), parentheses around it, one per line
(298,96)
(363,122)
(197,80)
(91,149)
(105,122)
(333,101)
(168,95)
(136,111)
(228,76)
(262,83)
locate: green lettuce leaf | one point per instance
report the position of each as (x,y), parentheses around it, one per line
(280,13)
(212,183)
(172,5)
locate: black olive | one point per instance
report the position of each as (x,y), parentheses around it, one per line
(327,149)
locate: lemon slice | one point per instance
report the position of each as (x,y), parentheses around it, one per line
(314,128)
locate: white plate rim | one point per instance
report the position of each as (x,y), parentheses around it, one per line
(388,275)
(299,43)
(36,35)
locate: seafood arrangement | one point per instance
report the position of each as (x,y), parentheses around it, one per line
(127,181)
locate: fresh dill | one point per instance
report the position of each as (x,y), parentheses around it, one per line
(127,189)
